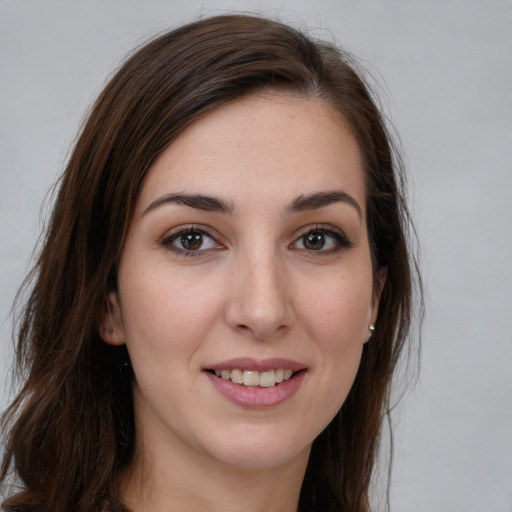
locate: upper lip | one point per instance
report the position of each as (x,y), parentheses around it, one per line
(257,365)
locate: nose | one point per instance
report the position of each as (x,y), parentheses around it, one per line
(260,299)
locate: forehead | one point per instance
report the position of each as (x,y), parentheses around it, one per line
(275,144)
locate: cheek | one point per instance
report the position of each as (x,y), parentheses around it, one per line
(337,312)
(164,316)
(337,321)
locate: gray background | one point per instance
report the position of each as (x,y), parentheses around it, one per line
(446,72)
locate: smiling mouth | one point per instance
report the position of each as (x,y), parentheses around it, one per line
(254,379)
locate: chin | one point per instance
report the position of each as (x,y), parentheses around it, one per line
(264,452)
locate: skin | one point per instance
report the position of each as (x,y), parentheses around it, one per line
(254,288)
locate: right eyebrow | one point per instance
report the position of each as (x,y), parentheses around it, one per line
(197,201)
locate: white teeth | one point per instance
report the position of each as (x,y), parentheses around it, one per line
(237,376)
(268,379)
(253,378)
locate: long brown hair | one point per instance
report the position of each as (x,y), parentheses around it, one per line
(70,431)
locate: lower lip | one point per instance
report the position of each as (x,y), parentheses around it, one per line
(256,397)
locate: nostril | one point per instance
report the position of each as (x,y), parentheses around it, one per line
(261,331)
(261,317)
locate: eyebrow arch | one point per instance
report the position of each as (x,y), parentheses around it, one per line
(198,201)
(321,199)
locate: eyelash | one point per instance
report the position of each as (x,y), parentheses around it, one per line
(174,235)
(340,239)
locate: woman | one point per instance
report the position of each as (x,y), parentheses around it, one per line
(228,235)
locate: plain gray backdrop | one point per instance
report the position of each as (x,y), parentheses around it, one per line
(446,75)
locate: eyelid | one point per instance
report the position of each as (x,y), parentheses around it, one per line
(171,235)
(343,242)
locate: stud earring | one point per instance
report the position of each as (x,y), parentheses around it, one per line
(371,327)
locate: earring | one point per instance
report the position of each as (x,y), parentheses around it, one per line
(371,327)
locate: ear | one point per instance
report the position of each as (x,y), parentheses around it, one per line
(378,286)
(380,281)
(111,329)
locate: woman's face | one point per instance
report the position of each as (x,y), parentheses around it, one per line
(247,260)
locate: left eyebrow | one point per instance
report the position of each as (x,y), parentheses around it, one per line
(321,199)
(197,201)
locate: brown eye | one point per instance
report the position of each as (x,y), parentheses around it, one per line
(322,240)
(191,241)
(314,241)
